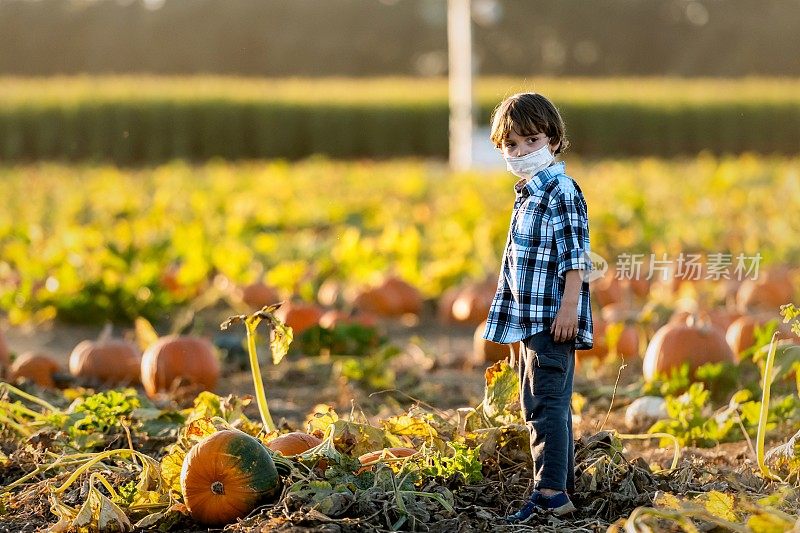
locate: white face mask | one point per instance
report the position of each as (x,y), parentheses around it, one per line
(528,165)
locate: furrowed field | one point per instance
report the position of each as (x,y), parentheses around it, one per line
(376,409)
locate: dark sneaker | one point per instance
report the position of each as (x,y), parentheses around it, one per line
(539,504)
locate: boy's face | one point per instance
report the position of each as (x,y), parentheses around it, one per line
(516,145)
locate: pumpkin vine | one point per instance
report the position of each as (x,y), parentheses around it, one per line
(280,339)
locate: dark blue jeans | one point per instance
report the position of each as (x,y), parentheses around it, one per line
(546,369)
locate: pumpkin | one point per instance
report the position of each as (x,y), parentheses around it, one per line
(408,297)
(386,453)
(179,357)
(719,318)
(606,290)
(5,355)
(488,352)
(226,476)
(330,319)
(628,341)
(675,343)
(472,304)
(640,286)
(36,367)
(377,300)
(293,443)
(257,295)
(741,333)
(111,361)
(771,290)
(299,316)
(393,297)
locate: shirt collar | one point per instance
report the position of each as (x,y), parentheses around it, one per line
(527,188)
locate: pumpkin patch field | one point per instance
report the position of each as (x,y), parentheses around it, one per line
(264,345)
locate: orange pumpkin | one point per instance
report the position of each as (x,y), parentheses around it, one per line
(257,295)
(768,292)
(112,361)
(299,316)
(674,344)
(393,297)
(640,286)
(179,357)
(293,443)
(409,298)
(606,290)
(488,352)
(334,317)
(628,341)
(226,476)
(387,453)
(472,304)
(719,318)
(741,333)
(377,300)
(722,318)
(36,367)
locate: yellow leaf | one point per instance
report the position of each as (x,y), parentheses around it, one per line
(667,500)
(721,505)
(146,335)
(320,418)
(768,523)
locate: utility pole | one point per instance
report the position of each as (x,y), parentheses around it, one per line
(459,42)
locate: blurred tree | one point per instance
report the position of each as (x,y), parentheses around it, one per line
(403,37)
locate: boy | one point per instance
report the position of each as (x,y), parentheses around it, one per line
(542,295)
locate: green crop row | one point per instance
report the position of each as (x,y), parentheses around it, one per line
(128,121)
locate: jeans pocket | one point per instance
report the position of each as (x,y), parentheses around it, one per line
(549,373)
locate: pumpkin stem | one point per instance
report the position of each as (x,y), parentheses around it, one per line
(218,488)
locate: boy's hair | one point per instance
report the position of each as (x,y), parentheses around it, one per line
(527,114)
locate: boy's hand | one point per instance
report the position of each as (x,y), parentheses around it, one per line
(565,325)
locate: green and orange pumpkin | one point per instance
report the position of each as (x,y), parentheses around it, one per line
(226,476)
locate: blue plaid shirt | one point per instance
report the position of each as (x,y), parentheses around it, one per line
(548,235)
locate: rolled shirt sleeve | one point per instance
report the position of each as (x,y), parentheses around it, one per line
(571,228)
